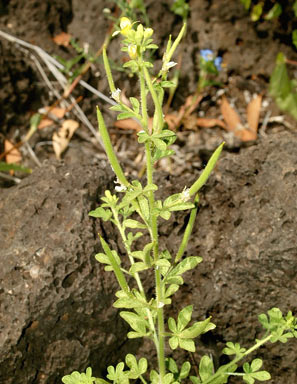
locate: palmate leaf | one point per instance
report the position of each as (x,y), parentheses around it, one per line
(252,372)
(136,369)
(82,378)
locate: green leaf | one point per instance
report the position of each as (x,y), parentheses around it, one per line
(118,108)
(136,369)
(187,344)
(185,370)
(246,3)
(160,144)
(256,364)
(173,342)
(233,349)
(82,378)
(207,171)
(172,325)
(168,84)
(144,207)
(206,368)
(261,375)
(294,6)
(125,115)
(104,214)
(118,375)
(257,11)
(136,322)
(171,290)
(135,104)
(182,207)
(138,267)
(274,12)
(197,329)
(171,365)
(163,263)
(185,265)
(132,65)
(5,167)
(195,380)
(184,317)
(129,223)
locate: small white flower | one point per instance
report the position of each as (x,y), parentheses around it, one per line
(160,304)
(185,195)
(120,187)
(167,66)
(116,94)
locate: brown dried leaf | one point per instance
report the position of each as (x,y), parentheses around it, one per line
(45,123)
(58,112)
(128,124)
(231,117)
(210,123)
(62,38)
(62,138)
(253,113)
(132,124)
(247,135)
(14,156)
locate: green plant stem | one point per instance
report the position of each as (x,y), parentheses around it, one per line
(136,275)
(157,104)
(188,230)
(161,328)
(143,101)
(258,344)
(109,150)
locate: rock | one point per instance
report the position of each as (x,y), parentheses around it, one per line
(56,313)
(56,300)
(246,234)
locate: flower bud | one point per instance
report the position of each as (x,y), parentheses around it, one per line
(148,32)
(132,51)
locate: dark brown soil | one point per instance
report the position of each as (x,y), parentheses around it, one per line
(52,293)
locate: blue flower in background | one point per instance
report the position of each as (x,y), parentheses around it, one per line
(218,62)
(207,54)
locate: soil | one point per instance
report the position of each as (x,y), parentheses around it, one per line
(246,228)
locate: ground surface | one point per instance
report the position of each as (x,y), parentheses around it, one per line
(246,230)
